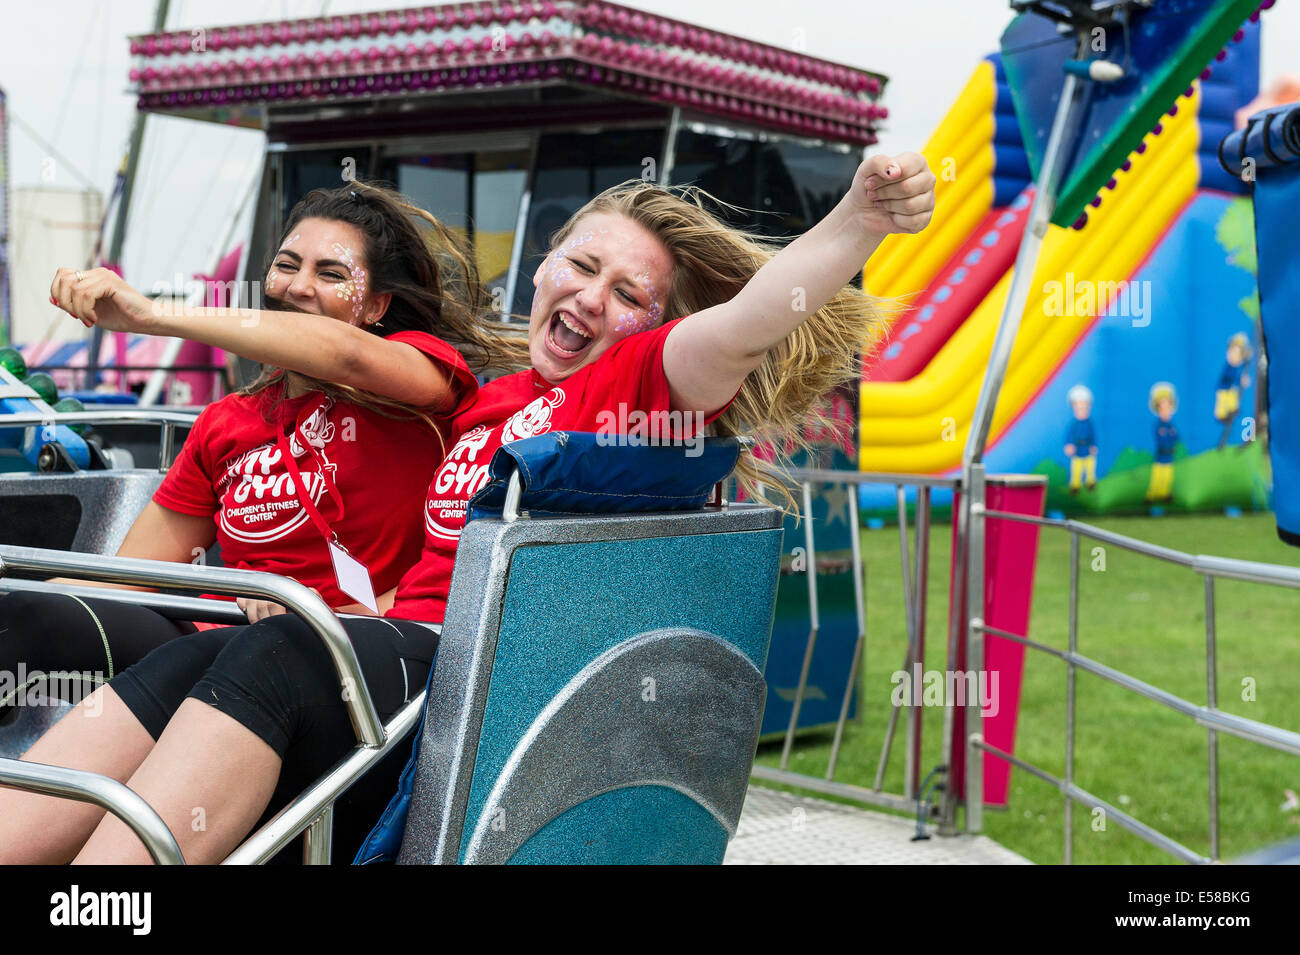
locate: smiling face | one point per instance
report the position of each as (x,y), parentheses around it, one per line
(606,280)
(321,269)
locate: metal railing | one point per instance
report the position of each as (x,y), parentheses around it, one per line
(915,561)
(311,812)
(1209,716)
(168,422)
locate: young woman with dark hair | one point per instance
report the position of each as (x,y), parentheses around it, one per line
(368,317)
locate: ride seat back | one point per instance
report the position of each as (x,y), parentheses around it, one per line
(86,511)
(598,688)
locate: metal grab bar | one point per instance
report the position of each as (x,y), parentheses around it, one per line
(303,812)
(102,791)
(24,419)
(171,606)
(222,580)
(169,420)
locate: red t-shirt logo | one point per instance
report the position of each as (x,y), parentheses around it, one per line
(465,470)
(258,500)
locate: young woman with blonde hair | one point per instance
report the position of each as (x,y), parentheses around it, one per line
(755,337)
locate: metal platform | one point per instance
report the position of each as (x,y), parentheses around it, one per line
(778,828)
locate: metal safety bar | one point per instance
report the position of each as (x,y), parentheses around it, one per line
(171,606)
(101,791)
(168,421)
(220,580)
(312,811)
(915,567)
(1209,716)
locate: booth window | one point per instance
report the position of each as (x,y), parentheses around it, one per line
(571,168)
(790,186)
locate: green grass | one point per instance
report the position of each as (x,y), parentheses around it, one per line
(1139,615)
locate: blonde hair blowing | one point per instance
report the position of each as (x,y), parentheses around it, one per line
(712,262)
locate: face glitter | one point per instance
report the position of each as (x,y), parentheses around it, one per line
(354,289)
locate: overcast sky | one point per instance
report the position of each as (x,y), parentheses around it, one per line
(64,64)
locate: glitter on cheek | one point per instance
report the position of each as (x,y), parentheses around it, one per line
(358,291)
(270,280)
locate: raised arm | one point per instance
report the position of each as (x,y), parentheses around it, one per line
(309,344)
(707,357)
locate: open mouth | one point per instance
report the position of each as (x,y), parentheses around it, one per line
(567,336)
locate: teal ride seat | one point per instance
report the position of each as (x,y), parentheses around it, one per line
(598,688)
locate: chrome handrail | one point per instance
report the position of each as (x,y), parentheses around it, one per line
(300,814)
(168,420)
(23,419)
(102,791)
(1208,716)
(1210,566)
(222,580)
(172,606)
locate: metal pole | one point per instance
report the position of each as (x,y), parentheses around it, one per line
(909,654)
(956,625)
(921,582)
(124,202)
(101,791)
(318,840)
(1040,217)
(859,604)
(1070,697)
(166,445)
(975,647)
(812,631)
(1212,703)
(1022,279)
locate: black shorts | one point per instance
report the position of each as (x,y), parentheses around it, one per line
(80,642)
(276,678)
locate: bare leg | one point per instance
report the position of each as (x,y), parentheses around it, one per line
(100,735)
(209,777)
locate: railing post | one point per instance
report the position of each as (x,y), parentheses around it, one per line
(1212,702)
(956,633)
(859,648)
(166,444)
(814,620)
(975,643)
(909,655)
(1070,697)
(318,840)
(920,584)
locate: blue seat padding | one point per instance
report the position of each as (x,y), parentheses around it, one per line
(573,472)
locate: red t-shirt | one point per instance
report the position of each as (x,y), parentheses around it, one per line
(232,467)
(603,396)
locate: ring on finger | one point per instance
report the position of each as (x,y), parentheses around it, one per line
(78,274)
